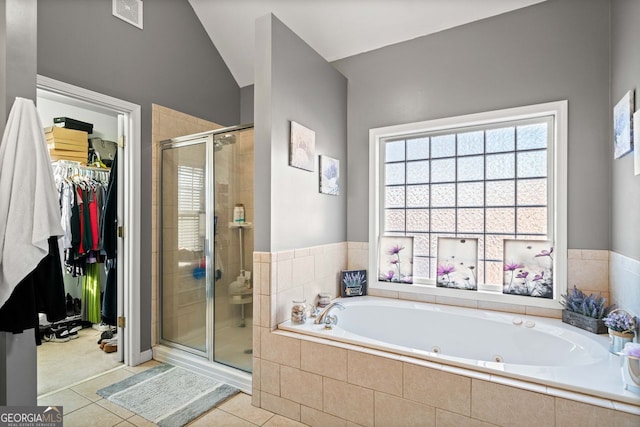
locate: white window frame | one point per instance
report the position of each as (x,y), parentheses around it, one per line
(558,200)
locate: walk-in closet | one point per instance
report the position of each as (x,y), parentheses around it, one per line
(82,142)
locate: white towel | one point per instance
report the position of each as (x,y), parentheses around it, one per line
(29,207)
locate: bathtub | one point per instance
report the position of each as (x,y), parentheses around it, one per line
(540,351)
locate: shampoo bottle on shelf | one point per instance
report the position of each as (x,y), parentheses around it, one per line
(238,213)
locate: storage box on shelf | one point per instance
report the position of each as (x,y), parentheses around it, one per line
(67,144)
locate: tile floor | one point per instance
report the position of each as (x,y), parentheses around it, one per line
(84,408)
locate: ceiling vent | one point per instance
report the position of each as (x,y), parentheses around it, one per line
(129,11)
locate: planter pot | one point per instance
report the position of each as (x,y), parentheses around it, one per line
(581,321)
(617,340)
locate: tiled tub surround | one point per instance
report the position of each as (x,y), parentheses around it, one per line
(322,382)
(472,339)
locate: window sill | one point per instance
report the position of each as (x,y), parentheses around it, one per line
(477,299)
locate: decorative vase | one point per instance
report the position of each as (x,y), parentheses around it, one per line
(581,321)
(617,340)
(631,374)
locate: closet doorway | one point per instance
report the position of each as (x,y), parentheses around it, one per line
(83,357)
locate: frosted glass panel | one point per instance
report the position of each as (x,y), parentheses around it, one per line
(394,174)
(532,136)
(417,148)
(495,246)
(532,192)
(443,220)
(417,196)
(418,220)
(443,170)
(394,151)
(532,220)
(500,220)
(418,172)
(443,195)
(394,197)
(532,164)
(500,193)
(500,166)
(443,146)
(420,267)
(501,140)
(420,244)
(470,143)
(493,273)
(471,194)
(394,220)
(470,220)
(471,168)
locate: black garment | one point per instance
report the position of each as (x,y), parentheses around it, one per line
(110,214)
(109,244)
(110,297)
(42,291)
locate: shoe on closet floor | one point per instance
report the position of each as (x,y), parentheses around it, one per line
(105,336)
(73,331)
(69,305)
(110,348)
(57,335)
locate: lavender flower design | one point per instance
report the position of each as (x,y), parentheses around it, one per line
(446,270)
(395,250)
(512,267)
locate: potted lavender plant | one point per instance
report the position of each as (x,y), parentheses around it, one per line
(584,312)
(622,328)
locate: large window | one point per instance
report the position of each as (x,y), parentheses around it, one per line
(493,177)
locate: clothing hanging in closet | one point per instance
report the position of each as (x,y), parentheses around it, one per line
(82,193)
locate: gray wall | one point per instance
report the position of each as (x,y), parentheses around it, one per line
(550,51)
(171,62)
(246,104)
(293,82)
(625,75)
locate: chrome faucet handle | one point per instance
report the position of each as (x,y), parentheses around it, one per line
(330,321)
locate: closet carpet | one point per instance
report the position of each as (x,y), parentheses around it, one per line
(61,364)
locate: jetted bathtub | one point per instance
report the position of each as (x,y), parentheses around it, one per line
(535,349)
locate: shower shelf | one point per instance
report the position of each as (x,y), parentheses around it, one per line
(240,225)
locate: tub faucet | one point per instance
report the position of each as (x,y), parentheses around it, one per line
(326,318)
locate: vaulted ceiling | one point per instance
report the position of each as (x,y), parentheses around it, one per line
(336,28)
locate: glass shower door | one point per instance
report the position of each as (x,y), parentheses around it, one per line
(184,276)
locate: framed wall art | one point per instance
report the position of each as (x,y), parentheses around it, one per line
(457,263)
(303,147)
(623,126)
(528,268)
(329,175)
(636,150)
(354,283)
(395,259)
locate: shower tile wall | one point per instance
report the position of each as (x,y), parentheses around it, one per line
(166,124)
(234,185)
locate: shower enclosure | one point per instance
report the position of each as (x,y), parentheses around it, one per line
(206,292)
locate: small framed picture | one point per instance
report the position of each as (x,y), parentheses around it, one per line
(395,259)
(623,126)
(329,175)
(457,263)
(528,268)
(303,147)
(354,283)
